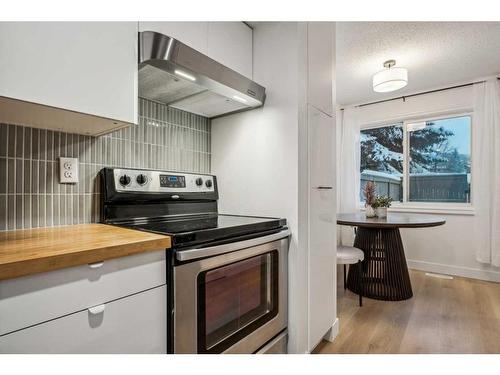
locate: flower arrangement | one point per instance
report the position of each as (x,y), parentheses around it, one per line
(369,193)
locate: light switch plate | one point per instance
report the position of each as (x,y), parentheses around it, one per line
(68,170)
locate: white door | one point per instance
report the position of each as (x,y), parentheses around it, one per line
(322,248)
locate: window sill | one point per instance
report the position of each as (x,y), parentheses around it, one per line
(467,210)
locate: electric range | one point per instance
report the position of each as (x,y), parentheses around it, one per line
(227,274)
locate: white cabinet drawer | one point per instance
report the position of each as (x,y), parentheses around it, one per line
(134,324)
(34,299)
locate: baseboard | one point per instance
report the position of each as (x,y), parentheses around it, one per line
(333,331)
(471,273)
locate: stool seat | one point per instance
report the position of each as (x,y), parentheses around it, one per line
(349,255)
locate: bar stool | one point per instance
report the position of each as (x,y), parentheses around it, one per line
(351,255)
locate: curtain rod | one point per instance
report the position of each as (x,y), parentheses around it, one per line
(419,93)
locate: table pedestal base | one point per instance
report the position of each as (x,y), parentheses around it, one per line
(384,270)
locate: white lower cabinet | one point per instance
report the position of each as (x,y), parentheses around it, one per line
(134,324)
(29,300)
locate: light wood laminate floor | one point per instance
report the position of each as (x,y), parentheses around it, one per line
(444,316)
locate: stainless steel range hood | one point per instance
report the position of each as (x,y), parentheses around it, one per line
(172,73)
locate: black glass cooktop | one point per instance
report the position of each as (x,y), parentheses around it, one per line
(207,229)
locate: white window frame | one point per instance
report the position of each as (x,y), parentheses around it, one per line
(428,207)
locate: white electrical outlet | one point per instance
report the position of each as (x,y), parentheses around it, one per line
(68,170)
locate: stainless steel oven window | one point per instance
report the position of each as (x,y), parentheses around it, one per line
(236,299)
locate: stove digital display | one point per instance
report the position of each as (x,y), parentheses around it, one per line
(170,181)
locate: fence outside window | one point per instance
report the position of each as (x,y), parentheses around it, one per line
(444,187)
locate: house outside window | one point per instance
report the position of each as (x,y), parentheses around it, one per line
(426,161)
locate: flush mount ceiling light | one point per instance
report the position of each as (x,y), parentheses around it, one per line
(391,78)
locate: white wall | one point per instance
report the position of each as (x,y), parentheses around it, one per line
(450,248)
(254,153)
(255,156)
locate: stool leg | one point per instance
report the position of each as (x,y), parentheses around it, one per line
(345,277)
(360,290)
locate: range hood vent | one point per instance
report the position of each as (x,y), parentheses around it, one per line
(172,73)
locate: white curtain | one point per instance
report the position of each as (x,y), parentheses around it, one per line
(486,170)
(348,175)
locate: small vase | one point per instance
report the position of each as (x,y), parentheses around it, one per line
(369,211)
(381,212)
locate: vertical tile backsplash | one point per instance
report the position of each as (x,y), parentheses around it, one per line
(30,193)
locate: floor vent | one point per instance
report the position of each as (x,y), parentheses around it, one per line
(439,276)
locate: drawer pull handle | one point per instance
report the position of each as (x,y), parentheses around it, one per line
(96,265)
(97,309)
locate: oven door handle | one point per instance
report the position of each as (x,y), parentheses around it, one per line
(204,252)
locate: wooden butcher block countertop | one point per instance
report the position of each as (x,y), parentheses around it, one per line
(24,252)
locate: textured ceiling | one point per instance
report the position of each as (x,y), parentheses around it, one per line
(435,53)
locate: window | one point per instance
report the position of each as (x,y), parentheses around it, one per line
(427,161)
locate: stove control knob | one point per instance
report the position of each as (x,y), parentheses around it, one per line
(208,183)
(141,179)
(124,180)
(199,181)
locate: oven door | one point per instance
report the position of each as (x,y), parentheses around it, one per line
(234,302)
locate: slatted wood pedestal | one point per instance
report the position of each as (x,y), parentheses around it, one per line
(384,270)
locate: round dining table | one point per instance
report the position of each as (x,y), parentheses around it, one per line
(384,272)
